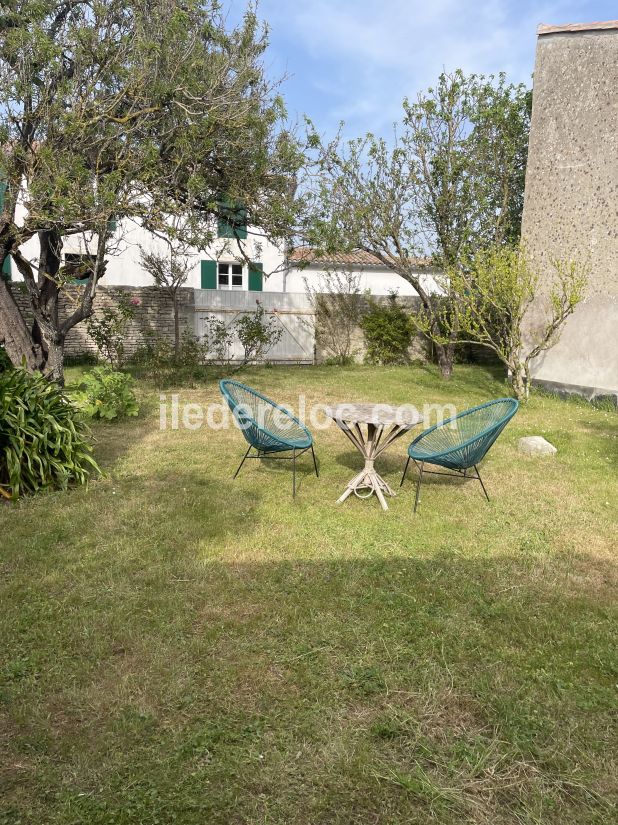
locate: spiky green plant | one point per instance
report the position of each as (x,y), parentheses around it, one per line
(43,440)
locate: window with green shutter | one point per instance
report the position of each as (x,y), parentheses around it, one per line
(209,274)
(232,221)
(256,272)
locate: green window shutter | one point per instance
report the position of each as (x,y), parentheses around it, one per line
(2,191)
(209,274)
(6,268)
(232,221)
(224,229)
(112,225)
(256,277)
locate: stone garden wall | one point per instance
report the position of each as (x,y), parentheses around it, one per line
(153,314)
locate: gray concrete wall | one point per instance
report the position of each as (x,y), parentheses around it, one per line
(571,199)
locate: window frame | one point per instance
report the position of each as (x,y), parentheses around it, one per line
(230,275)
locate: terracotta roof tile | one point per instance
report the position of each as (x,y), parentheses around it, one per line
(358,257)
(577,27)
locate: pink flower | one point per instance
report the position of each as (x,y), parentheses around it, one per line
(135,302)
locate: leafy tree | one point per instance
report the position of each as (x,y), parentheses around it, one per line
(125,110)
(450,179)
(497,289)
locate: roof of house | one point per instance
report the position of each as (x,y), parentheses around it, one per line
(357,257)
(577,27)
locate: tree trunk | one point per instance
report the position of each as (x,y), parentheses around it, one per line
(15,335)
(176,326)
(43,345)
(46,327)
(446,356)
(54,368)
(520,382)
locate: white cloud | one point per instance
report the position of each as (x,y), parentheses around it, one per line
(363,56)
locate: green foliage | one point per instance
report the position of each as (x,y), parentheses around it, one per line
(108,328)
(388,332)
(157,361)
(107,394)
(193,353)
(257,335)
(450,179)
(218,339)
(338,302)
(43,441)
(107,123)
(494,291)
(5,361)
(154,358)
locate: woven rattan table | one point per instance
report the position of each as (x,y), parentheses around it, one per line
(372,428)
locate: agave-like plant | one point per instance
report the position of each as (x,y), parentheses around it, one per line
(43,438)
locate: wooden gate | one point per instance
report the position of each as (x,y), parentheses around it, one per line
(292,310)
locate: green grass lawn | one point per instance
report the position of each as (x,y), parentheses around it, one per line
(178,647)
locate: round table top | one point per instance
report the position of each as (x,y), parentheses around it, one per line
(381,414)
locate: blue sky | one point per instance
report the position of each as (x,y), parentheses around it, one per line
(355,60)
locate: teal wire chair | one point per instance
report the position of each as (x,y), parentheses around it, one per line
(461,442)
(268,428)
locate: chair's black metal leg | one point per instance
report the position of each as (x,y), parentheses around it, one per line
(315,463)
(478,475)
(418,485)
(405,470)
(243,461)
(293,473)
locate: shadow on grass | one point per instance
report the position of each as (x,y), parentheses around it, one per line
(389,463)
(607,430)
(356,690)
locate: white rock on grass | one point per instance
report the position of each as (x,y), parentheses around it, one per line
(536,445)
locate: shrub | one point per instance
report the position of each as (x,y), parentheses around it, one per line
(256,335)
(107,329)
(106,394)
(218,339)
(43,440)
(192,353)
(388,332)
(156,361)
(154,357)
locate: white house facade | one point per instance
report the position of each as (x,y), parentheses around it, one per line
(304,267)
(224,264)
